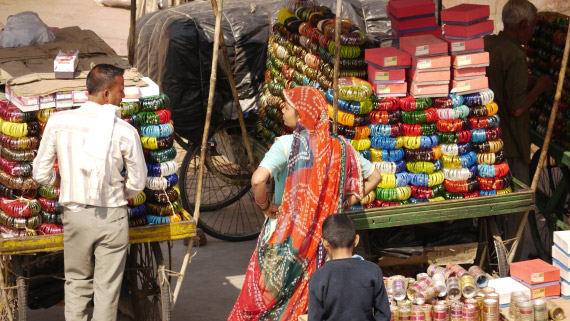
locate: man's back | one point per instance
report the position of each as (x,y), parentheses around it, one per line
(69,132)
(508,78)
(348,289)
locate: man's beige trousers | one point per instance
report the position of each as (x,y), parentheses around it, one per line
(95,249)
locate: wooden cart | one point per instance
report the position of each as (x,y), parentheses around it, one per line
(146,275)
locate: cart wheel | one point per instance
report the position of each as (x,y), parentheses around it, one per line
(495,252)
(8,296)
(227,209)
(552,204)
(142,276)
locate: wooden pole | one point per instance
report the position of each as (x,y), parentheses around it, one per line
(213,76)
(132,32)
(234,91)
(338,25)
(546,143)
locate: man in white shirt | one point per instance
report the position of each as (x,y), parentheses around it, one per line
(93,146)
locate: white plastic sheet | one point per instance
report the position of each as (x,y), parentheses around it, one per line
(25,29)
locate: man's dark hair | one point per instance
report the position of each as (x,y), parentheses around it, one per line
(102,77)
(338,230)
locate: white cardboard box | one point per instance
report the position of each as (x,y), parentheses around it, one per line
(564,271)
(505,286)
(560,255)
(562,239)
(47,101)
(65,63)
(564,288)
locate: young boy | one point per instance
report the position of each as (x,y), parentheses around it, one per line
(346,288)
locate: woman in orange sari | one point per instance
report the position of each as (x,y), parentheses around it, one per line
(316,174)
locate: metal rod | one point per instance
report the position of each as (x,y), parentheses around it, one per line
(546,143)
(338,25)
(232,81)
(132,32)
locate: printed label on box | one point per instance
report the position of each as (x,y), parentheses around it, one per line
(422,50)
(538,293)
(386,44)
(463,85)
(424,63)
(382,89)
(390,61)
(464,60)
(381,75)
(537,277)
(458,46)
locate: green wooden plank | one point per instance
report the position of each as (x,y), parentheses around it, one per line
(524,198)
(439,216)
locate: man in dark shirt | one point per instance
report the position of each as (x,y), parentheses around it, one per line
(514,89)
(346,288)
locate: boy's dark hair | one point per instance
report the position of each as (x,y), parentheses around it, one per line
(338,230)
(102,77)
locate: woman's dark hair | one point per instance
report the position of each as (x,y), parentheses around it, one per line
(102,77)
(338,230)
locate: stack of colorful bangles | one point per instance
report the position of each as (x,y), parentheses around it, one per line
(301,53)
(493,175)
(422,150)
(458,159)
(159,203)
(352,116)
(19,140)
(388,153)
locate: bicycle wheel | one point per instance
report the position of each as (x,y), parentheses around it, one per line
(227,208)
(552,205)
(143,262)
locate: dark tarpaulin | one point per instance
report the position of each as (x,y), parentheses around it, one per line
(174,48)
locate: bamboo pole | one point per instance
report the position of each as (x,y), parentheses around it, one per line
(232,81)
(132,32)
(546,142)
(3,285)
(338,24)
(213,76)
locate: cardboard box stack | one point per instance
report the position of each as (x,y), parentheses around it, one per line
(387,71)
(464,28)
(429,75)
(541,278)
(413,17)
(561,259)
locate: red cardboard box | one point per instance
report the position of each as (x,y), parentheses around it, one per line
(411,8)
(475,30)
(435,32)
(375,74)
(388,57)
(534,271)
(389,89)
(427,76)
(424,45)
(435,62)
(461,46)
(465,14)
(469,85)
(419,90)
(472,72)
(480,59)
(413,24)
